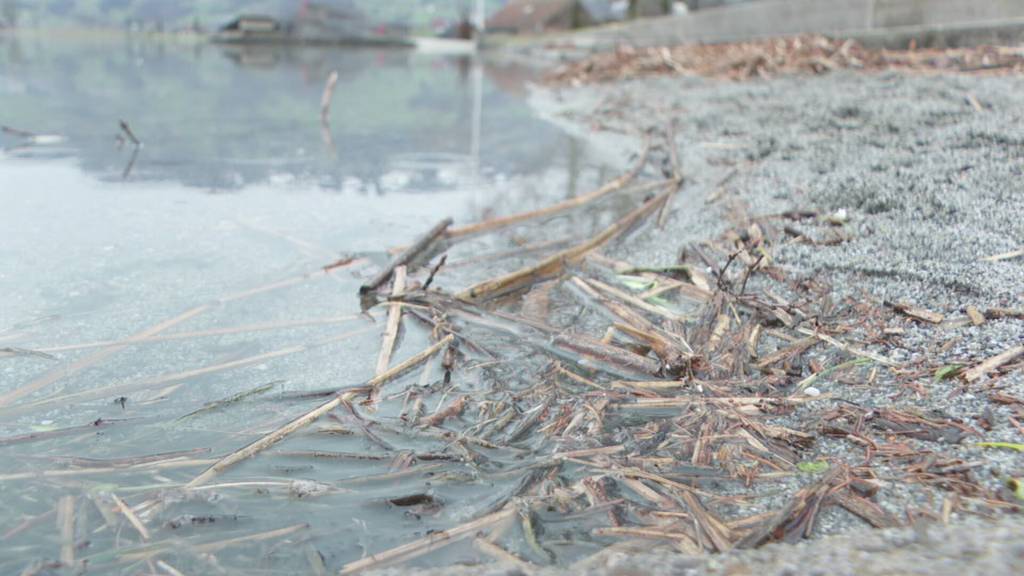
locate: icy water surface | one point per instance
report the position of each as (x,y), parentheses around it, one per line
(141,286)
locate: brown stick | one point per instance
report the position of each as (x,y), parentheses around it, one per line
(69,472)
(56,374)
(504,556)
(606,353)
(201,333)
(753,403)
(130,515)
(407,256)
(438,417)
(270,534)
(327,97)
(394,322)
(564,206)
(871,513)
(47,434)
(149,550)
(428,543)
(115,389)
(127,130)
(710,525)
(847,347)
(66,525)
(311,416)
(994,363)
(555,264)
(637,302)
(1004,256)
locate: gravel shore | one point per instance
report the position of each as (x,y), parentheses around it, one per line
(925,175)
(916,179)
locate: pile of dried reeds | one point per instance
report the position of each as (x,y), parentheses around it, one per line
(810,54)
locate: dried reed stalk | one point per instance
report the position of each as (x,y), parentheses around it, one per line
(394,322)
(564,206)
(429,543)
(311,416)
(56,374)
(66,527)
(555,264)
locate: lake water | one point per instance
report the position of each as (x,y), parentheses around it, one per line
(206,247)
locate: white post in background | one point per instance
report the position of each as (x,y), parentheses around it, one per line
(478,115)
(478,100)
(481,17)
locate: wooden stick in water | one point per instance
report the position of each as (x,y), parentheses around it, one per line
(203,333)
(158,381)
(428,543)
(27,523)
(491,549)
(311,416)
(56,374)
(130,515)
(328,96)
(146,551)
(394,322)
(66,526)
(169,569)
(610,187)
(127,130)
(408,255)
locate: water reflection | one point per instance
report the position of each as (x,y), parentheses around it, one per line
(133,300)
(223,117)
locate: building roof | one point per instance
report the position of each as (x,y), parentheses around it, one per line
(246,20)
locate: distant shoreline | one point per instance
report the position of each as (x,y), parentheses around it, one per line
(66,33)
(59,33)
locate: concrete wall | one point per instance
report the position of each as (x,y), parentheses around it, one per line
(891,13)
(781,17)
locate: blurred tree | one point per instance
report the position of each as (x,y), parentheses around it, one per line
(9,14)
(640,8)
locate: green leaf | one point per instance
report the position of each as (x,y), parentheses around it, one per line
(948,371)
(659,301)
(815,467)
(1007,445)
(636,283)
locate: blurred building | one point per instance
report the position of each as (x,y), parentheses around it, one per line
(536,16)
(252,25)
(340,22)
(649,8)
(698,4)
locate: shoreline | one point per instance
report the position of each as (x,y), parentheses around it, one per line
(885,152)
(746,153)
(819,330)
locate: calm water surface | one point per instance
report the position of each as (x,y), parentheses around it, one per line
(205,250)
